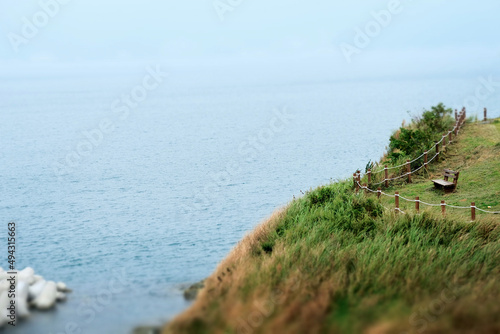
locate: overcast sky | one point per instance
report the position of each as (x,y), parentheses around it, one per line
(422,35)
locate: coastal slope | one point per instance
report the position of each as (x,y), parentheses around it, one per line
(334,261)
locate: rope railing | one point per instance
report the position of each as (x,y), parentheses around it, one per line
(459,121)
(409,173)
(417,202)
(420,157)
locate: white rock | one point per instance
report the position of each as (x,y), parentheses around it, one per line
(27,275)
(62,287)
(37,278)
(36,289)
(4,285)
(47,298)
(3,275)
(22,299)
(60,296)
(4,303)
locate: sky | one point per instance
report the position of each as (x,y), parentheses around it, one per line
(389,37)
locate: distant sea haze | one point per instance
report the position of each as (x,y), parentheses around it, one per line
(178,182)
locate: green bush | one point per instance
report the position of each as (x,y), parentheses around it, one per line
(420,134)
(322,195)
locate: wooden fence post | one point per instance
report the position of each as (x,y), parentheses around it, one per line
(379,192)
(450,137)
(485,116)
(408,170)
(425,161)
(456,115)
(354,179)
(444,142)
(417,204)
(473,211)
(386,176)
(397,202)
(356,185)
(369,176)
(443,208)
(359,178)
(437,151)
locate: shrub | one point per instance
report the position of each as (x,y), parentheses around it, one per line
(420,134)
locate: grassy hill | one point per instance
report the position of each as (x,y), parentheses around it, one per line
(336,262)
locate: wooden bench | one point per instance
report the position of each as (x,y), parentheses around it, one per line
(445,184)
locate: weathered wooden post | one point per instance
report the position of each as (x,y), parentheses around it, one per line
(417,204)
(397,202)
(355,179)
(485,116)
(359,178)
(443,208)
(473,211)
(379,192)
(425,161)
(408,170)
(386,172)
(437,151)
(444,142)
(456,115)
(369,175)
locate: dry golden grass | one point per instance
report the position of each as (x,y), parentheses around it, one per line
(228,276)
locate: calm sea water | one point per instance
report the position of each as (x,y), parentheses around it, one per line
(159,201)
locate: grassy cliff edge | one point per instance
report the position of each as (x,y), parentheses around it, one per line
(337,262)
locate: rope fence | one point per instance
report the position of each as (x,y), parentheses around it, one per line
(417,202)
(459,122)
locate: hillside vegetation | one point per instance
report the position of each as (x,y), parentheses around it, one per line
(338,262)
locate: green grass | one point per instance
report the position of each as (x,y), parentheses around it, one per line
(476,154)
(338,262)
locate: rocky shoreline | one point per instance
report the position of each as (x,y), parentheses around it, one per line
(190,293)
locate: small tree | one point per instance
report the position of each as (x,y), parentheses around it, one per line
(420,134)
(434,120)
